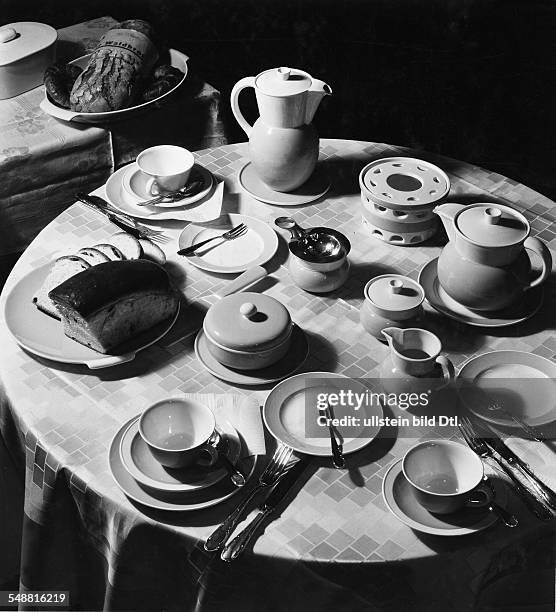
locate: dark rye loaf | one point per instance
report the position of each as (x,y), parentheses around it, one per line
(108,304)
(113,77)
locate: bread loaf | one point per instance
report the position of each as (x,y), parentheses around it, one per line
(113,76)
(108,304)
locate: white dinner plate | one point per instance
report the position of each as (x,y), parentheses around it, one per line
(177,59)
(313,189)
(524,308)
(141,464)
(123,201)
(175,502)
(44,336)
(254,248)
(402,503)
(502,374)
(290,363)
(284,414)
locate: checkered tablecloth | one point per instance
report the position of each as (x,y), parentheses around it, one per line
(335,544)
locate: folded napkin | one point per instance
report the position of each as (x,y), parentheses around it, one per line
(242,412)
(198,212)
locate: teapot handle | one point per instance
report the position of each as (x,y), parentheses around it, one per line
(234,101)
(538,247)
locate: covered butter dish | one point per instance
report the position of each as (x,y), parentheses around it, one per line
(27,48)
(391,300)
(248,331)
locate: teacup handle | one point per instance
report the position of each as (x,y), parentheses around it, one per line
(212,455)
(540,248)
(152,187)
(234,101)
(485,492)
(448,370)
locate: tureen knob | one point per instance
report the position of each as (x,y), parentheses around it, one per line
(395,285)
(284,73)
(493,215)
(248,310)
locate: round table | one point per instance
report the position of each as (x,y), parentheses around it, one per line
(335,544)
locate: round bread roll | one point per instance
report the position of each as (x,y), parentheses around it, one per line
(127,244)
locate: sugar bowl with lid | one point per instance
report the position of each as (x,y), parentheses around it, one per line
(391,300)
(485,265)
(248,331)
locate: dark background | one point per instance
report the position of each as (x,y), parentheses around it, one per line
(471,79)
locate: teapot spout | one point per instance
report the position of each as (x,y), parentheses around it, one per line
(316,93)
(447,214)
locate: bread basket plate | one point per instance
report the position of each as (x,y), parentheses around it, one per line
(177,60)
(44,336)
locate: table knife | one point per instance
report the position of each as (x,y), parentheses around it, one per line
(543,490)
(239,543)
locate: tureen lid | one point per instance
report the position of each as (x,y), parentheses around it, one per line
(492,225)
(247,321)
(394,293)
(23,38)
(283,81)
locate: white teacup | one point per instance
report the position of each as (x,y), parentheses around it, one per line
(167,166)
(445,476)
(179,432)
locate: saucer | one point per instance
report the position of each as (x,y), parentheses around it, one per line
(126,203)
(534,404)
(522,310)
(289,364)
(315,187)
(140,463)
(254,248)
(401,501)
(134,183)
(174,502)
(284,414)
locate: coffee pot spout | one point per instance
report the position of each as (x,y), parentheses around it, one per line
(316,93)
(447,214)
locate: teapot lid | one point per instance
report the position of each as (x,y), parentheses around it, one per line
(394,293)
(283,81)
(492,225)
(247,321)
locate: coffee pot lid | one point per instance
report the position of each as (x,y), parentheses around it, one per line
(394,293)
(492,225)
(247,321)
(283,81)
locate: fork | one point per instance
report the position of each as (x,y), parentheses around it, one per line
(275,469)
(533,432)
(121,220)
(478,445)
(232,234)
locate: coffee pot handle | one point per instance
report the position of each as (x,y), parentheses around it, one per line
(448,370)
(538,247)
(234,101)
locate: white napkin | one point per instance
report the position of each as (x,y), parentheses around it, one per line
(198,212)
(242,412)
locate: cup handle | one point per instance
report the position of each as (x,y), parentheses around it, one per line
(152,187)
(448,370)
(212,455)
(487,496)
(540,248)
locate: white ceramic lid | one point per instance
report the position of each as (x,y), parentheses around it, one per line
(248,321)
(492,225)
(404,182)
(283,81)
(394,293)
(24,38)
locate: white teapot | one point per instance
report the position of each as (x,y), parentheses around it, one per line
(283,143)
